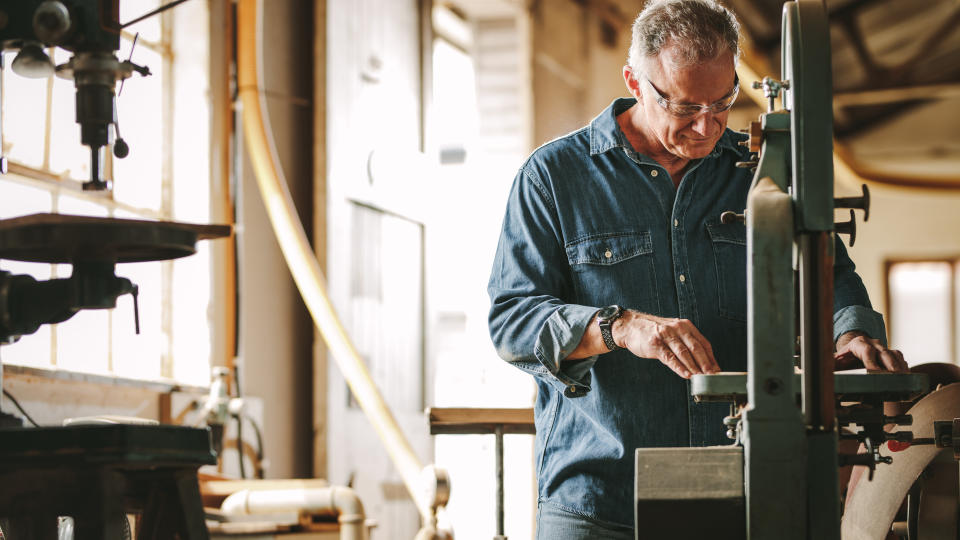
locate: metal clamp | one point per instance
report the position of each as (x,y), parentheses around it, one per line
(771,89)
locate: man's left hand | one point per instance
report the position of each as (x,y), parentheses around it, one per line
(874,354)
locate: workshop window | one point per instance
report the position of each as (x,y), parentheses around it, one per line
(165,176)
(922,309)
(480,132)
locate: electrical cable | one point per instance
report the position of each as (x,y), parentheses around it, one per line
(258,435)
(239,418)
(152,13)
(19,408)
(243,469)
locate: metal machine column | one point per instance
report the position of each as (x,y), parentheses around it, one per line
(806,64)
(773,434)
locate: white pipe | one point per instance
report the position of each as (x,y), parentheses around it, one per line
(330,501)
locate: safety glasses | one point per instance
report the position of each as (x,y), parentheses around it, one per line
(687,110)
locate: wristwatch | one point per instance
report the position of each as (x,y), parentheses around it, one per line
(605,318)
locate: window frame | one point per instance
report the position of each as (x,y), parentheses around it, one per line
(57,184)
(953,261)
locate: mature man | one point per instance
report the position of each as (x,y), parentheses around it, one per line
(626,212)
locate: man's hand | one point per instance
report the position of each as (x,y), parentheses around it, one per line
(675,342)
(874,355)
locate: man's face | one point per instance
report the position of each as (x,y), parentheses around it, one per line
(705,84)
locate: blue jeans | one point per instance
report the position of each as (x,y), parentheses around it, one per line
(555,523)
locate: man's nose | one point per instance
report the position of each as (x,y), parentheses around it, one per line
(703,121)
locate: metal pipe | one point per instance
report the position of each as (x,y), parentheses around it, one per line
(336,501)
(303,263)
(498,434)
(816,329)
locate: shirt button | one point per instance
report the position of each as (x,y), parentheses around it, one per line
(608,254)
(682,278)
(654,172)
(676,223)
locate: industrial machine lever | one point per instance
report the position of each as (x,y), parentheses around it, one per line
(868,459)
(729,217)
(752,165)
(848,227)
(862,202)
(26,303)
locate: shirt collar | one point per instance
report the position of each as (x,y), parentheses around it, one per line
(605,133)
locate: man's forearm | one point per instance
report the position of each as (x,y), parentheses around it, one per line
(591,343)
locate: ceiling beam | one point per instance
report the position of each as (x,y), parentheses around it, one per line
(848,171)
(893,95)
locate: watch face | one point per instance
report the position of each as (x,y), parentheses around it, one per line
(608,312)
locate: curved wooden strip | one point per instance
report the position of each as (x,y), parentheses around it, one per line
(873,505)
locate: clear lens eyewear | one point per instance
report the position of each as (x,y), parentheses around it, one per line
(686,110)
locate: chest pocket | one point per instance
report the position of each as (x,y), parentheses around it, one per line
(730,257)
(614,268)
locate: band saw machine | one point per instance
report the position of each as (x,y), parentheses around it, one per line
(794,429)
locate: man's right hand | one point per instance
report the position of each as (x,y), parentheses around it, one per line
(675,342)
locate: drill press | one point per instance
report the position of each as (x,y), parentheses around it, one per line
(94,473)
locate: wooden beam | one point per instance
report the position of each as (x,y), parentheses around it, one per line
(320,219)
(848,171)
(893,95)
(445,421)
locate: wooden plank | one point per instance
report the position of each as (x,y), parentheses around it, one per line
(32,373)
(164,408)
(223,302)
(455,420)
(320,220)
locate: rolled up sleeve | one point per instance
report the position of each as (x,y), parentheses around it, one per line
(852,310)
(530,325)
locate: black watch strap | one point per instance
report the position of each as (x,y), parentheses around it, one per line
(605,319)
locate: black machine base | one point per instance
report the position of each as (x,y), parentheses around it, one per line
(97,474)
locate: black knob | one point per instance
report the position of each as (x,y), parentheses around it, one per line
(848,227)
(120,148)
(862,202)
(899,436)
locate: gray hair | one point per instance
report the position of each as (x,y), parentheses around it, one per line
(699,30)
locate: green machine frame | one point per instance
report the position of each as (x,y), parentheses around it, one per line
(779,480)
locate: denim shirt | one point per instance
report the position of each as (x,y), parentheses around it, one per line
(589,223)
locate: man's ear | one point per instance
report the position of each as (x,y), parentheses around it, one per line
(630,79)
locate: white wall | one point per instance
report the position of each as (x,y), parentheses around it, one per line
(903,224)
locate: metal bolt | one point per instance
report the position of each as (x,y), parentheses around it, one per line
(773,386)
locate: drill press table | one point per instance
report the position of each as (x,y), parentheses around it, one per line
(99,473)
